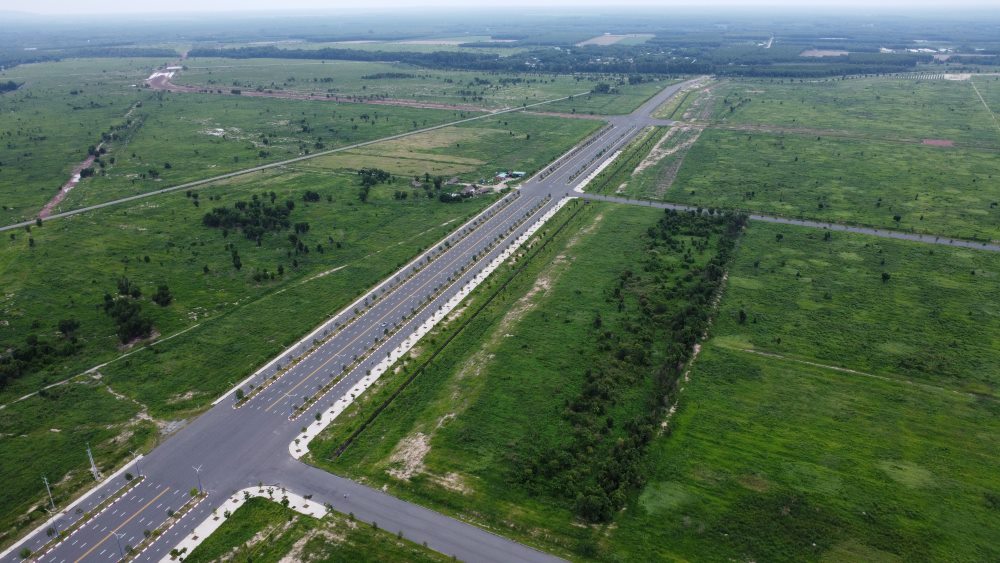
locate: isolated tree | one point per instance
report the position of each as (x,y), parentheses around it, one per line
(162,297)
(743,316)
(68,326)
(885,277)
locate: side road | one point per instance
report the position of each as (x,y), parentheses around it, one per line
(883,233)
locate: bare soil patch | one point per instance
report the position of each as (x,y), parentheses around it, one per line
(610,39)
(823,53)
(939,142)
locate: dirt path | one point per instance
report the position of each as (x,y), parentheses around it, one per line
(74,179)
(985,105)
(161,81)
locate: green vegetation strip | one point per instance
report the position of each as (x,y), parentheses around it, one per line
(631,156)
(265,531)
(310,400)
(451,336)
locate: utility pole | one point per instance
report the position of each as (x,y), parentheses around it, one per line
(93,466)
(49,491)
(197,471)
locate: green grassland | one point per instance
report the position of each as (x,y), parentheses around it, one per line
(771,460)
(45,128)
(463,437)
(265,531)
(936,320)
(201,135)
(74,261)
(877,107)
(60,277)
(780,453)
(472,151)
(487,90)
(947,191)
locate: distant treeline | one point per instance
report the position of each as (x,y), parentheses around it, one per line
(8,86)
(613,59)
(10,58)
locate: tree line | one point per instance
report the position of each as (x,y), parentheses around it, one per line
(659,314)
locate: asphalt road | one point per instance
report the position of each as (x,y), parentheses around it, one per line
(240,447)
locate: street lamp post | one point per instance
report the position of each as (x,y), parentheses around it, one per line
(197,471)
(138,468)
(118,539)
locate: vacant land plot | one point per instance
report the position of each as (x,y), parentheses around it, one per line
(265,531)
(367,80)
(532,422)
(233,304)
(936,320)
(47,125)
(839,416)
(184,137)
(472,151)
(878,107)
(947,191)
(779,461)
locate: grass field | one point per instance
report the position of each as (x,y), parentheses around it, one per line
(935,321)
(771,460)
(472,151)
(47,124)
(61,278)
(200,136)
(878,107)
(947,191)
(464,436)
(391,80)
(789,457)
(265,531)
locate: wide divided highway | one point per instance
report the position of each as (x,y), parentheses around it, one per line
(240,444)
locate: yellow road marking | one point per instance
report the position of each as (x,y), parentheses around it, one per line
(122,525)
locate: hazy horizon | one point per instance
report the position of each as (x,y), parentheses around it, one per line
(847,7)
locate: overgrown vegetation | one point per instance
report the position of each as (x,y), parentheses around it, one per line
(265,531)
(529,445)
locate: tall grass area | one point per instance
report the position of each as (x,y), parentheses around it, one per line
(936,320)
(48,123)
(774,460)
(183,137)
(946,191)
(374,80)
(265,531)
(843,418)
(472,151)
(892,108)
(222,322)
(533,420)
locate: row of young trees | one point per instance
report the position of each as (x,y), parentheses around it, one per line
(660,314)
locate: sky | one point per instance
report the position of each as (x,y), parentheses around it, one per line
(342,6)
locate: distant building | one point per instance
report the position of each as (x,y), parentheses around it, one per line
(518,174)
